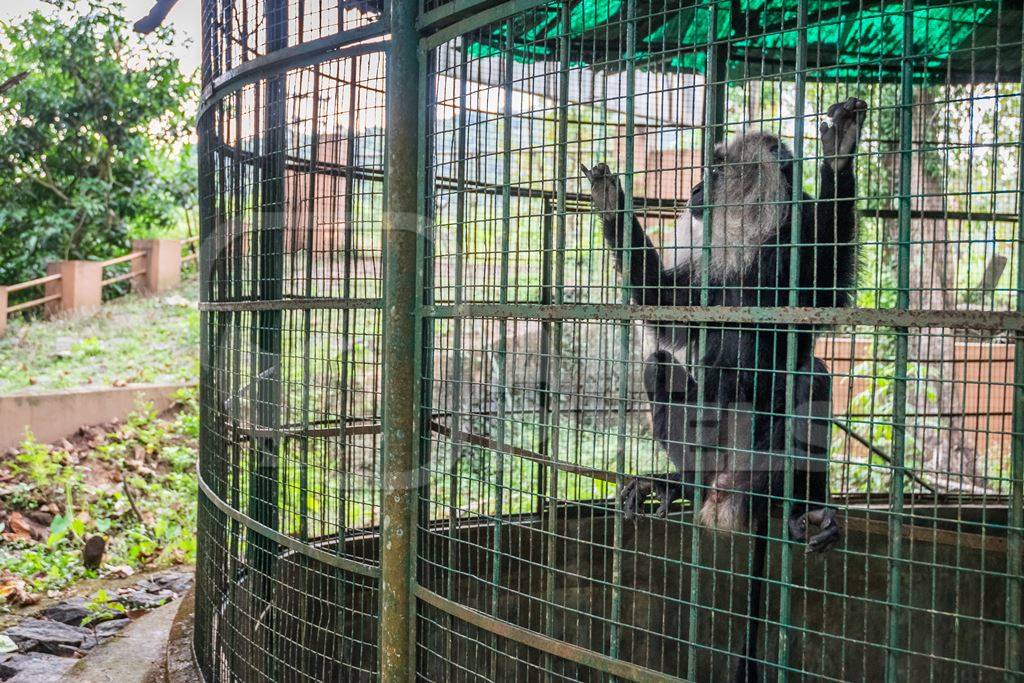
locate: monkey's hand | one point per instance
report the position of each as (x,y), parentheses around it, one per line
(829,531)
(605,191)
(665,488)
(840,132)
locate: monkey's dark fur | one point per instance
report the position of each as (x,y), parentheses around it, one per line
(742,430)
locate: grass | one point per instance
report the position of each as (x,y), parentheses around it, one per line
(129,340)
(133,483)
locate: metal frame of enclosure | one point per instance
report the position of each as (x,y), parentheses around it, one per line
(421,375)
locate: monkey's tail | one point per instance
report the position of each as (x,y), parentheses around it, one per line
(746,669)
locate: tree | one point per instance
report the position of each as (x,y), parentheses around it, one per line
(91,140)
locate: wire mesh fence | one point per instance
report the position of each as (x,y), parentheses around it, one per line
(610,339)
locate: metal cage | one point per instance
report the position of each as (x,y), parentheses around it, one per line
(421,377)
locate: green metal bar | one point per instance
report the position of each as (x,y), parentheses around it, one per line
(712,126)
(1010,321)
(456,331)
(425,283)
(399,448)
(785,552)
(481,14)
(291,304)
(307,315)
(625,328)
(277,62)
(896,619)
(344,468)
(305,549)
(264,476)
(500,352)
(1015,527)
(552,646)
(544,397)
(556,292)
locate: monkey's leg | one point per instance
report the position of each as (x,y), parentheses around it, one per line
(811,446)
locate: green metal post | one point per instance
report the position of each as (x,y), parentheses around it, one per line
(307,315)
(625,328)
(714,99)
(401,246)
(899,411)
(554,290)
(785,553)
(263,477)
(1014,544)
(501,351)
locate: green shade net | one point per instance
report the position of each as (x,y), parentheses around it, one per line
(975,41)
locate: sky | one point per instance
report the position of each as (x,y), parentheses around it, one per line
(184,17)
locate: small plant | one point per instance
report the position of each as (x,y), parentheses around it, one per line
(87,348)
(38,462)
(102,608)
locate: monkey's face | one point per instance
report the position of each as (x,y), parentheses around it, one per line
(751,179)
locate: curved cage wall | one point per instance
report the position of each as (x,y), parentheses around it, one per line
(423,374)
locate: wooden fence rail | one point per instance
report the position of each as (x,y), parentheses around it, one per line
(154,266)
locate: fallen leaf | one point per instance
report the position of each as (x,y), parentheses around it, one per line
(14,591)
(119,571)
(19,528)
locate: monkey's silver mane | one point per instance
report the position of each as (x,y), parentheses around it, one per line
(749,202)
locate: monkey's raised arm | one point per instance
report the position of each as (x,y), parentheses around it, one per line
(650,283)
(834,226)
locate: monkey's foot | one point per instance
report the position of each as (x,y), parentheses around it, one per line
(841,130)
(604,188)
(829,531)
(637,490)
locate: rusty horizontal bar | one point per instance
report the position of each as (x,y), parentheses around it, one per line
(190,240)
(343,563)
(923,534)
(246,432)
(189,258)
(32,304)
(296,304)
(339,45)
(568,651)
(33,283)
(743,315)
(460,16)
(485,442)
(940,215)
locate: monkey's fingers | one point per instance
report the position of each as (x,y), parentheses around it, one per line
(830,532)
(633,496)
(586,171)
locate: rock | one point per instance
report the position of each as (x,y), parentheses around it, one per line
(146,599)
(178,582)
(51,636)
(34,667)
(71,611)
(109,628)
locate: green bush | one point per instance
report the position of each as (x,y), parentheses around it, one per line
(92,141)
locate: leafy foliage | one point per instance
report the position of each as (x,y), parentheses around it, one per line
(90,140)
(134,484)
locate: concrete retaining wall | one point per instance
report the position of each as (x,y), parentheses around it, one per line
(55,415)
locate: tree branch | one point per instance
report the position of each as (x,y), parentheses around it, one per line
(12,81)
(156,16)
